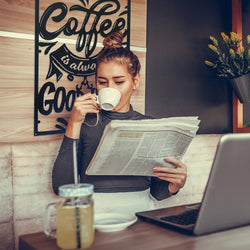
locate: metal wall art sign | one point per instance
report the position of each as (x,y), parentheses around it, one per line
(68,38)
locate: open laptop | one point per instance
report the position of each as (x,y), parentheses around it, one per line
(226,200)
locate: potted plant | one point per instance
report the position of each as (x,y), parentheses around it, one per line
(232,61)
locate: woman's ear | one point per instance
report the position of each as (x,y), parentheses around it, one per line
(136,81)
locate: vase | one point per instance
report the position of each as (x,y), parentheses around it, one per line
(241,87)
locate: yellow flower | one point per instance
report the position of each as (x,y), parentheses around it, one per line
(213,48)
(248,39)
(209,63)
(231,52)
(225,37)
(242,49)
(215,42)
(234,37)
(232,58)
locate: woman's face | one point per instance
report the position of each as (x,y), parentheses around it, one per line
(115,75)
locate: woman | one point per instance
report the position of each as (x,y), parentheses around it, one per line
(117,67)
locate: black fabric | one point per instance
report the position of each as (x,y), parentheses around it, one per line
(86,146)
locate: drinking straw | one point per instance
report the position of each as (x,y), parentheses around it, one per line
(78,228)
(75,163)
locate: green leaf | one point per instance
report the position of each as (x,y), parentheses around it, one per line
(247,125)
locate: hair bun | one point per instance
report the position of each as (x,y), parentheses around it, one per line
(113,40)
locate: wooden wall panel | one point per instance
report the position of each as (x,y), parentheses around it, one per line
(19,16)
(138,23)
(17,67)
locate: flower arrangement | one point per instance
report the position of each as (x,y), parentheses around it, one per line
(233,59)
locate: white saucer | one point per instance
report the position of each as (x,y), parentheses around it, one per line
(112,222)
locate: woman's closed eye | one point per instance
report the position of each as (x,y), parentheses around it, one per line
(119,82)
(102,82)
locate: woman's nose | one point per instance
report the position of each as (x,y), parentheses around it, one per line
(111,85)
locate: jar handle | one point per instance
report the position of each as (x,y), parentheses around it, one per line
(46,220)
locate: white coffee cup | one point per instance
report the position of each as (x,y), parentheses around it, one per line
(108,98)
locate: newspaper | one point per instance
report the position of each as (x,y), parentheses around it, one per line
(134,147)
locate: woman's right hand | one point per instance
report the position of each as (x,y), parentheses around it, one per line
(82,105)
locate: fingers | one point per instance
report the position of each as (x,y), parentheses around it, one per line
(179,181)
(83,105)
(87,99)
(176,162)
(176,176)
(179,166)
(87,96)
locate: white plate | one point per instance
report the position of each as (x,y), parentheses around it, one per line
(112,222)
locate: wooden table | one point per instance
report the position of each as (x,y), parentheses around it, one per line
(147,236)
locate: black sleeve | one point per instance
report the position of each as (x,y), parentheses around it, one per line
(63,170)
(159,189)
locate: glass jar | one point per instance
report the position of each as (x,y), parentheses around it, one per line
(75,217)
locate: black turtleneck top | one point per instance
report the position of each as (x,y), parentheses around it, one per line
(86,146)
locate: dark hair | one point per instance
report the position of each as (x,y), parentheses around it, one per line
(113,51)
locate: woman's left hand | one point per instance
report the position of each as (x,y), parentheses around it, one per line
(175,176)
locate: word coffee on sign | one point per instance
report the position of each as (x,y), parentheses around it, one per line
(58,12)
(68,39)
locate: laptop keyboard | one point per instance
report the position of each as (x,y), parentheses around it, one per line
(187,218)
